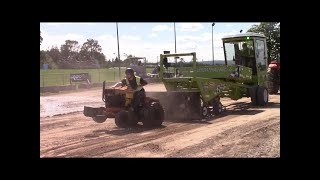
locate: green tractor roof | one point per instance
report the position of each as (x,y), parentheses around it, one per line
(249,34)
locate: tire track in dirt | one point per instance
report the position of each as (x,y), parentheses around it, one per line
(233,142)
(97,146)
(170,146)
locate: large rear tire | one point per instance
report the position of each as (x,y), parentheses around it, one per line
(253,95)
(133,119)
(122,119)
(262,96)
(153,115)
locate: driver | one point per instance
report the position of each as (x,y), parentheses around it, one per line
(135,84)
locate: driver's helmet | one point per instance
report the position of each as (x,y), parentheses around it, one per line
(130,71)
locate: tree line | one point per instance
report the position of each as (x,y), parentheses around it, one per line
(72,53)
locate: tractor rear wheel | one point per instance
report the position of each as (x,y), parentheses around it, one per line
(262,96)
(253,95)
(153,115)
(133,119)
(122,119)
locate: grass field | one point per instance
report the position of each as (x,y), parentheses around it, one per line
(58,77)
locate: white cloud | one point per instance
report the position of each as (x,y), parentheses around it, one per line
(152,35)
(161,27)
(72,36)
(201,44)
(229,25)
(106,37)
(204,37)
(130,37)
(134,27)
(58,40)
(189,26)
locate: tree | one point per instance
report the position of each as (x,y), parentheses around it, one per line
(70,50)
(47,59)
(272,33)
(55,54)
(41,39)
(91,51)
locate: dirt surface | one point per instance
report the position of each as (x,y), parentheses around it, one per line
(242,130)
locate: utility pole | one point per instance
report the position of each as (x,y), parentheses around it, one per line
(175,43)
(118,53)
(212,45)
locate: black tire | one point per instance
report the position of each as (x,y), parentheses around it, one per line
(204,112)
(133,119)
(158,114)
(262,96)
(122,119)
(100,118)
(153,115)
(204,109)
(217,108)
(253,95)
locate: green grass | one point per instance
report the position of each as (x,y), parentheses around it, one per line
(58,77)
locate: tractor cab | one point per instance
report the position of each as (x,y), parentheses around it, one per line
(248,50)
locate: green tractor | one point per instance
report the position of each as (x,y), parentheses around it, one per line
(194,89)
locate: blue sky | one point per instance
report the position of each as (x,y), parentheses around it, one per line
(144,39)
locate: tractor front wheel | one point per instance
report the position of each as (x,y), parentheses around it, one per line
(217,107)
(204,109)
(100,118)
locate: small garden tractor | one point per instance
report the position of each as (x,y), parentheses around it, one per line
(117,105)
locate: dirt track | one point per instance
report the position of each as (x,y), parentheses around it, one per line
(241,131)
